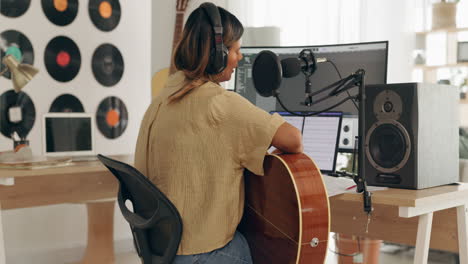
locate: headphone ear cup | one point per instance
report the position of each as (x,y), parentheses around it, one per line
(218,61)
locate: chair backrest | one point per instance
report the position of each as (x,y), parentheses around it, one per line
(155,222)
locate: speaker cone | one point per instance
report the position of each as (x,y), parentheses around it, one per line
(387,146)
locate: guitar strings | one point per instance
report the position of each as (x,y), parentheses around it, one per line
(279,230)
(266,220)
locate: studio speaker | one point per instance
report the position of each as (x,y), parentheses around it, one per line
(411,135)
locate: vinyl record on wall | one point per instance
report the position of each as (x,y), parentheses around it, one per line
(17,113)
(66,103)
(62,59)
(105,14)
(17,45)
(14,8)
(60,12)
(112,117)
(107,64)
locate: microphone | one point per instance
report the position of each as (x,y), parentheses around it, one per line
(306,62)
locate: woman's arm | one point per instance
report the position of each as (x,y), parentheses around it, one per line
(288,139)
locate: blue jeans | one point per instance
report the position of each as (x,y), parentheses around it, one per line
(235,252)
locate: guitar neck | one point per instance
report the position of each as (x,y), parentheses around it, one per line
(177,35)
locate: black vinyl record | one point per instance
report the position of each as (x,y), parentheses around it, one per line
(62,59)
(66,103)
(112,117)
(14,8)
(9,100)
(60,12)
(108,65)
(105,14)
(17,45)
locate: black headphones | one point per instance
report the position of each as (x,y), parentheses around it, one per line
(219,54)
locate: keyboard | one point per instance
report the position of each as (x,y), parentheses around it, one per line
(84,158)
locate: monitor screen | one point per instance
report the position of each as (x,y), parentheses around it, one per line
(320,135)
(372,57)
(68,133)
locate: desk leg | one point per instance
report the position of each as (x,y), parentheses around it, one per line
(100,247)
(423,238)
(462,233)
(2,242)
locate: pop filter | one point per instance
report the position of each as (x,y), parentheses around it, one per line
(266,73)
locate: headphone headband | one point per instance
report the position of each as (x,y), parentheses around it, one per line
(218,56)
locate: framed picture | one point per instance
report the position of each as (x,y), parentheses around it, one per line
(462,51)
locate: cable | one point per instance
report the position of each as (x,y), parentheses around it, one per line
(337,71)
(339,75)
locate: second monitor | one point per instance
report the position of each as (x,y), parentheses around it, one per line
(371,56)
(320,136)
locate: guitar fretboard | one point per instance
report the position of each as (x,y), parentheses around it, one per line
(177,35)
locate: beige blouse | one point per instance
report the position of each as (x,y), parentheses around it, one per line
(195,152)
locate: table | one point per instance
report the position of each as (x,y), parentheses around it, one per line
(82,182)
(408,217)
(401,216)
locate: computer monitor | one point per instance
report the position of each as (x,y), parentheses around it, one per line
(370,56)
(320,135)
(68,134)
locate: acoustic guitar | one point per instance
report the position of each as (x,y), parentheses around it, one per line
(286,217)
(160,78)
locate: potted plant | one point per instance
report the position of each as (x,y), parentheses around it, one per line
(444,14)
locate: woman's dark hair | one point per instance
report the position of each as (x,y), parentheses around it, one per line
(192,53)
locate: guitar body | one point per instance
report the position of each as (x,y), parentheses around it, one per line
(286,217)
(159,81)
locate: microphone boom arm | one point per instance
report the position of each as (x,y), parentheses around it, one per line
(351,81)
(338,87)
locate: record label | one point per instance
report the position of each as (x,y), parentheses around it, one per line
(60,12)
(62,59)
(61,5)
(105,9)
(112,117)
(66,103)
(108,65)
(105,14)
(17,45)
(14,8)
(20,123)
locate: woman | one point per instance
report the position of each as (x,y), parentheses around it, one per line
(196,139)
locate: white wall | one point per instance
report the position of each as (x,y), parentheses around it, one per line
(39,230)
(392,20)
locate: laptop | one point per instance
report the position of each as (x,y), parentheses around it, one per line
(320,136)
(69,135)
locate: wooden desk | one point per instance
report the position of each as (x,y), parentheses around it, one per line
(393,218)
(441,209)
(82,182)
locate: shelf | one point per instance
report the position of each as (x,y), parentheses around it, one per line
(443,30)
(455,65)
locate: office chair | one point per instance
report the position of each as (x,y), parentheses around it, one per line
(155,222)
